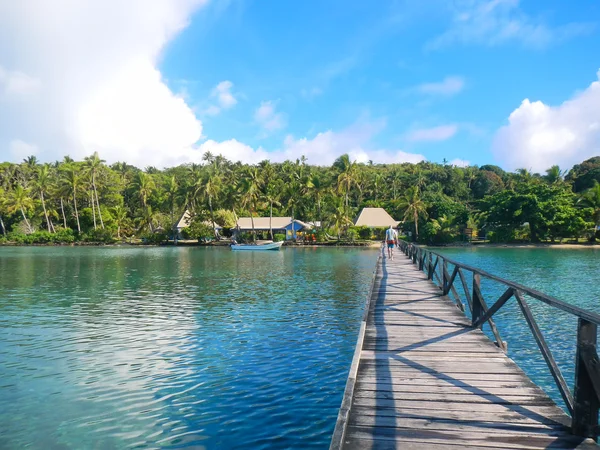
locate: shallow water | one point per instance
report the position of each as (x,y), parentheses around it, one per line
(112,348)
(571,275)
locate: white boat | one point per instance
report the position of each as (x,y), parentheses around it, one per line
(258,247)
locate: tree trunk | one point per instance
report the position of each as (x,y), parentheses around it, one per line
(62,207)
(26,221)
(416,226)
(173,219)
(319,214)
(94,209)
(271,221)
(99,212)
(3,227)
(45,212)
(119,231)
(76,212)
(212,217)
(533,233)
(253,231)
(97,201)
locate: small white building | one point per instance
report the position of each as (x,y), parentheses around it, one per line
(184,222)
(279,225)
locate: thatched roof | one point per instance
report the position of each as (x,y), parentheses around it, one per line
(375,218)
(186,218)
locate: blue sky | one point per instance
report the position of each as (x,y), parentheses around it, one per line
(387,81)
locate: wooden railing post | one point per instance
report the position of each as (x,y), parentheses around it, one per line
(421,260)
(587,382)
(477,306)
(445,280)
(430,267)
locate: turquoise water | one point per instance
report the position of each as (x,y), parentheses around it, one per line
(571,275)
(113,348)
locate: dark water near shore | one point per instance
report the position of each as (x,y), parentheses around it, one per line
(112,348)
(571,275)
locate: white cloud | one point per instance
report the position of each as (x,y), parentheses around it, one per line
(309,94)
(460,162)
(19,83)
(440,133)
(212,110)
(90,72)
(19,149)
(493,22)
(223,94)
(448,86)
(323,149)
(538,136)
(268,118)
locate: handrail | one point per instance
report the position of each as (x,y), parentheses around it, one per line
(584,403)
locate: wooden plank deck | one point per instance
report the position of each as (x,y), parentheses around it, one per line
(422,378)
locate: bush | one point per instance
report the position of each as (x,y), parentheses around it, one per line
(379,233)
(102,236)
(321,235)
(155,238)
(363,232)
(199,230)
(62,236)
(278,237)
(352,235)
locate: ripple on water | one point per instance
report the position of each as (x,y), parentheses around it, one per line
(176,348)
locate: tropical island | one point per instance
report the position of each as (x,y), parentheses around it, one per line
(90,201)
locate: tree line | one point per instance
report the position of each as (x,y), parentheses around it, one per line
(69,200)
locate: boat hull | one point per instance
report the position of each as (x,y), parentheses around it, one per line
(272,246)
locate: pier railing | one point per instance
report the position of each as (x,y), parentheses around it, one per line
(583,403)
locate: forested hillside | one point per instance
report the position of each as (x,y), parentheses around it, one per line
(91,201)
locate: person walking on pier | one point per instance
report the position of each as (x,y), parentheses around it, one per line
(391,238)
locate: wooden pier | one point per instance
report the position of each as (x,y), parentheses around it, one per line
(424,376)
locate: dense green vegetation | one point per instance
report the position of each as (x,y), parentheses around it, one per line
(88,200)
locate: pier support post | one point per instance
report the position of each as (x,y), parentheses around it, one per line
(477,297)
(587,382)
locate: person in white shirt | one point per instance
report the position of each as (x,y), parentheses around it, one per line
(391,239)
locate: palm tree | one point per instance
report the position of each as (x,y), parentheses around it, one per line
(120,218)
(554,175)
(72,182)
(172,191)
(19,200)
(211,190)
(2,209)
(316,188)
(339,220)
(272,198)
(42,184)
(591,198)
(144,185)
(413,207)
(250,192)
(347,177)
(94,163)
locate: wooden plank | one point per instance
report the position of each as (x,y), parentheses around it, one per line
(426,438)
(529,417)
(471,425)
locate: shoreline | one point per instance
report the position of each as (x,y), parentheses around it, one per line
(366,245)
